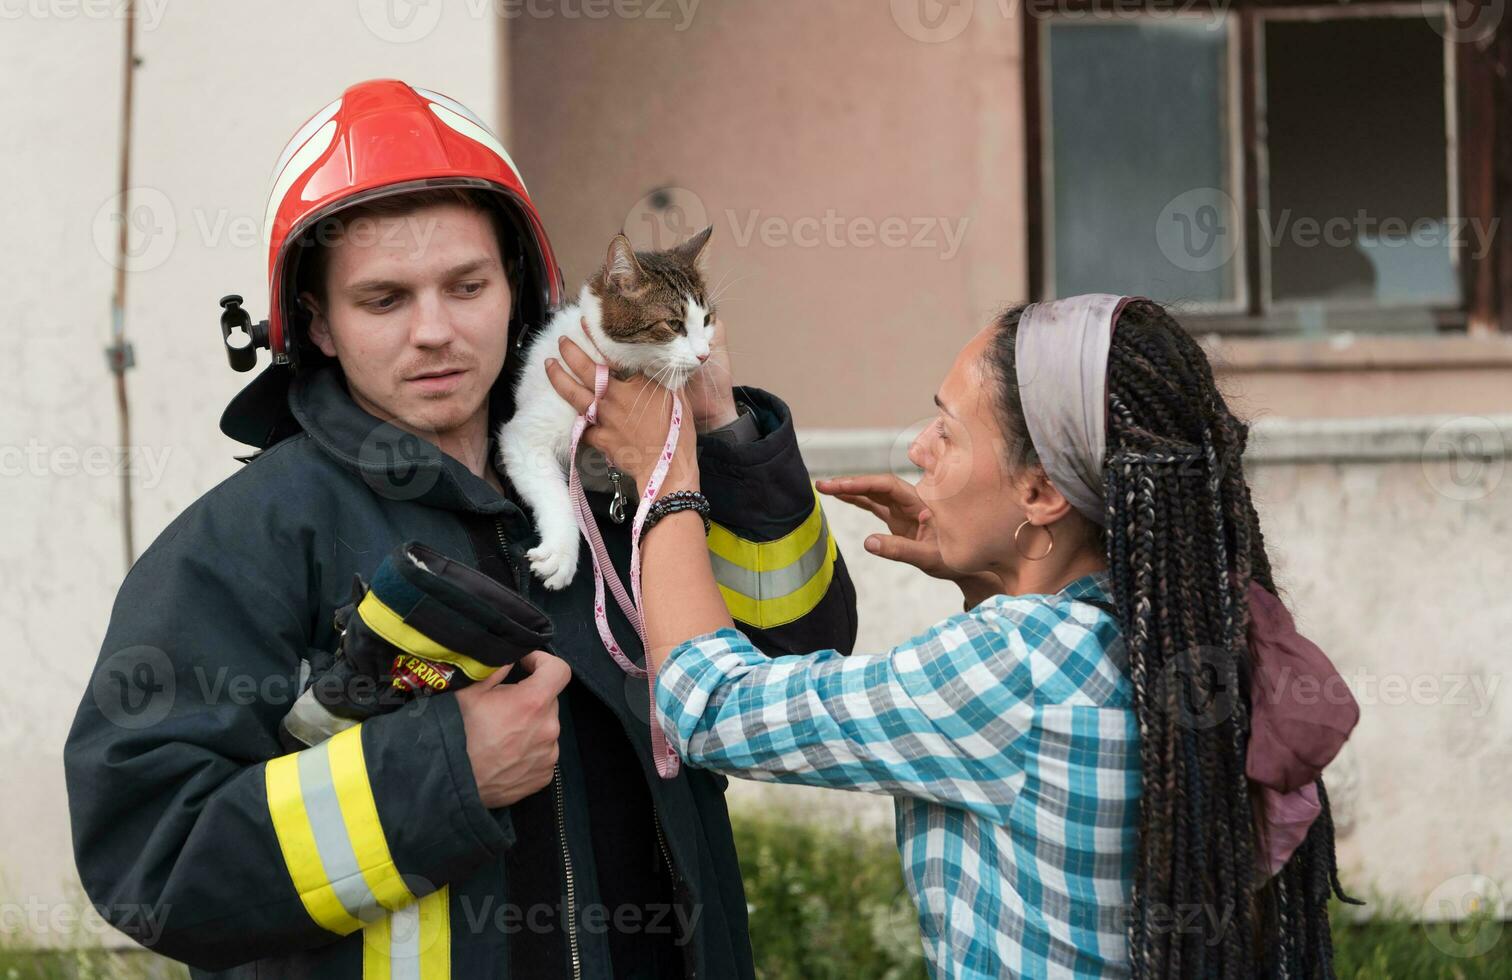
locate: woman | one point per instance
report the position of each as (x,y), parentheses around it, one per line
(1066,806)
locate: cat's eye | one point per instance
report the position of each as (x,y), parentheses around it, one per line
(708,319)
(676,325)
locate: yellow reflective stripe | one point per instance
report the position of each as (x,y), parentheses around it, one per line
(377,938)
(435,936)
(326,822)
(766,613)
(759,565)
(763,555)
(297,841)
(412,942)
(359,812)
(392,627)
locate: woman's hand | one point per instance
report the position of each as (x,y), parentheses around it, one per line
(633,418)
(912,539)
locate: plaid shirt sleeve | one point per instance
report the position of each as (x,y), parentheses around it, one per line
(939,717)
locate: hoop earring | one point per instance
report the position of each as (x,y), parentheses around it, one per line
(1020,547)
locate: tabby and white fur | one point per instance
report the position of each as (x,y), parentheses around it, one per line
(649,313)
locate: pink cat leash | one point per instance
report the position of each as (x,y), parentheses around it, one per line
(667,762)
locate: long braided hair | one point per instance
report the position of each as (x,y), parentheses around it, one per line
(1183,543)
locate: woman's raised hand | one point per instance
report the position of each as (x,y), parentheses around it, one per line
(911,538)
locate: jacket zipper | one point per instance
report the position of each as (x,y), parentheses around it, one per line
(572,939)
(662,841)
(689,971)
(522,583)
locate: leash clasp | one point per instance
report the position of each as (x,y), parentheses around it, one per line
(617,505)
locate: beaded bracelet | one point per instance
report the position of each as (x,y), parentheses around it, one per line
(672,503)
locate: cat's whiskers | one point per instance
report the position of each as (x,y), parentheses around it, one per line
(656,378)
(717,293)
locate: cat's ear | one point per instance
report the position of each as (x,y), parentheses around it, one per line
(696,249)
(622,272)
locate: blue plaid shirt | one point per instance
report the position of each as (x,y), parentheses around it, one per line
(1008,738)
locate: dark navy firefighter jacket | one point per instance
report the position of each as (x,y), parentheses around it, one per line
(371,855)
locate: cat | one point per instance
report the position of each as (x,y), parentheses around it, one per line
(649,313)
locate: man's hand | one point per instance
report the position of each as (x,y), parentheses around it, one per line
(710,392)
(912,539)
(512,729)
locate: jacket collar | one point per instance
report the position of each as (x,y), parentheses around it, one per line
(396,464)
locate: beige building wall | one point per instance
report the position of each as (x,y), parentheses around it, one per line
(865,188)
(799,129)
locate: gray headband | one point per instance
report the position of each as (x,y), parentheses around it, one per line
(1061,353)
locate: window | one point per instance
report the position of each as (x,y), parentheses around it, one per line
(1140,118)
(1266,167)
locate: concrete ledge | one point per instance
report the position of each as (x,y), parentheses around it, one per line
(831,452)
(1358,352)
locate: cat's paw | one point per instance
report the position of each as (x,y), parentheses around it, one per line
(554,563)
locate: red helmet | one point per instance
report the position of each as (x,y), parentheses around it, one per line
(385,137)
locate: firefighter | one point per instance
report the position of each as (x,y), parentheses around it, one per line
(514,828)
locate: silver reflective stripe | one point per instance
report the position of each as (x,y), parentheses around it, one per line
(775,582)
(404,943)
(312,722)
(329,830)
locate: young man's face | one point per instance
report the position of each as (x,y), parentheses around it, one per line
(417,312)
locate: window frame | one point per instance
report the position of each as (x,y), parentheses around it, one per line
(1234,148)
(1472,175)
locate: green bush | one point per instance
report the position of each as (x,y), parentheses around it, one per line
(826,905)
(1391,946)
(87,964)
(831,904)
